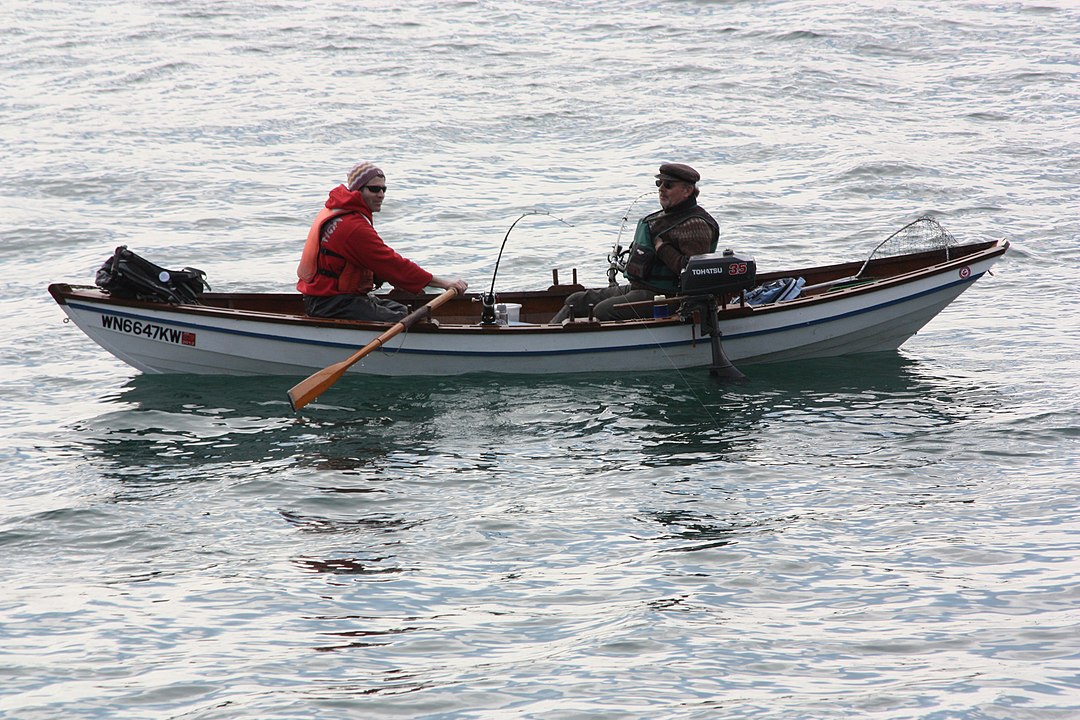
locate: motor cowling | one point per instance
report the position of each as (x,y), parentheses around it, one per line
(718,274)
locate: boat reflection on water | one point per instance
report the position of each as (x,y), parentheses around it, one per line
(345,468)
(192,428)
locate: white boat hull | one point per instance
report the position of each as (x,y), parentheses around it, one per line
(158,338)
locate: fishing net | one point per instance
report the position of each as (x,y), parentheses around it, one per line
(923,235)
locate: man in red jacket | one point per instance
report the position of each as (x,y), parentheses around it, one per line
(344,258)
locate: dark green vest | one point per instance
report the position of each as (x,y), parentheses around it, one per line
(654,274)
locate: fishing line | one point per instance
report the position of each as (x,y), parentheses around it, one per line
(682,377)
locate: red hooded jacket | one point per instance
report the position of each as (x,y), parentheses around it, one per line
(351,254)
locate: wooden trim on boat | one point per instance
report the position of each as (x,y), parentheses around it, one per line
(462,315)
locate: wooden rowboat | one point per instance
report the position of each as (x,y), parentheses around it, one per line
(843,309)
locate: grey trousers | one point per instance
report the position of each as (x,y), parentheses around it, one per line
(604,301)
(355,307)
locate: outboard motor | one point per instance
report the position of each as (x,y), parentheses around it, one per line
(723,274)
(708,281)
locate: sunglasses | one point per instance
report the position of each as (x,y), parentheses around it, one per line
(376,189)
(667,184)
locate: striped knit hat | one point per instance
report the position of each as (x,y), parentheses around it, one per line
(361,173)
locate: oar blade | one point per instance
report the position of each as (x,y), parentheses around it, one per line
(312,387)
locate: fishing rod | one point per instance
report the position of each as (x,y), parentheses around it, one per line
(487,300)
(617,256)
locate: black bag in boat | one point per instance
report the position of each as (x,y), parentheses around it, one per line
(126,275)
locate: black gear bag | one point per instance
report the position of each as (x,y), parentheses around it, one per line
(126,275)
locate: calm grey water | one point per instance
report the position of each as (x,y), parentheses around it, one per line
(888,536)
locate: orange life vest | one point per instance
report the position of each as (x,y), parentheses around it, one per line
(309,259)
(350,280)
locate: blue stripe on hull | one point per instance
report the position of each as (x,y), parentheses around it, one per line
(499,353)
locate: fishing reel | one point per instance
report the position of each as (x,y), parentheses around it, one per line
(487,308)
(616,262)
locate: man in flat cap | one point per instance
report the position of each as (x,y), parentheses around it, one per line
(663,242)
(344,257)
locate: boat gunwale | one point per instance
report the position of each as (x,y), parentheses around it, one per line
(974,252)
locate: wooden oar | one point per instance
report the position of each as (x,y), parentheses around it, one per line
(307,390)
